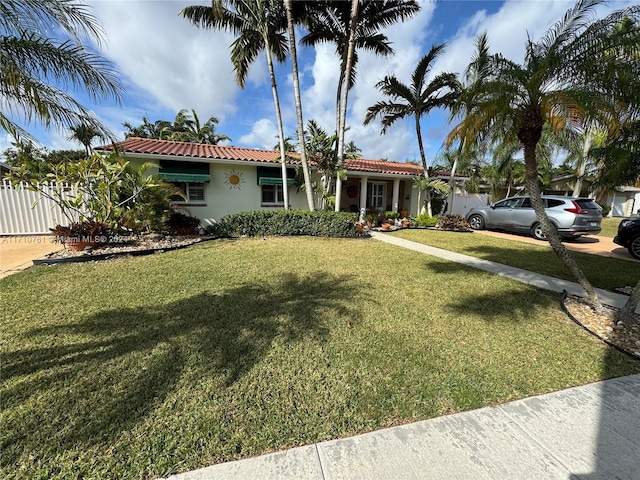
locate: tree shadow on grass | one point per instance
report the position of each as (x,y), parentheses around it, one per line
(518,304)
(104,374)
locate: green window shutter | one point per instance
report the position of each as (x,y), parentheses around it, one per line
(194,172)
(273,176)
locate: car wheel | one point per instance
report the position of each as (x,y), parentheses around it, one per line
(634,247)
(537,232)
(476,222)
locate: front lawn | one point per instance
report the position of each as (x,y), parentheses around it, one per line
(603,272)
(610,226)
(141,367)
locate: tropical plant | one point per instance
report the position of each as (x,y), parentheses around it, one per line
(84,134)
(415,100)
(430,186)
(298,102)
(37,71)
(103,187)
(186,127)
(562,83)
(351,26)
(259,25)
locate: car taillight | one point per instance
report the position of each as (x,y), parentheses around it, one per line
(577,210)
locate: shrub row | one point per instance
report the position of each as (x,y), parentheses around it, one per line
(286,222)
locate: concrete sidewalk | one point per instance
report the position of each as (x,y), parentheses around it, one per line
(583,433)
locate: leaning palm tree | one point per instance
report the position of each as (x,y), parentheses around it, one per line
(561,84)
(415,100)
(37,72)
(259,25)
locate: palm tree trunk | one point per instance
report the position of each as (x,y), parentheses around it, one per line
(582,162)
(627,313)
(355,4)
(453,174)
(423,157)
(557,246)
(276,101)
(298,101)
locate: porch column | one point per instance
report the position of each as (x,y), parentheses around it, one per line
(396,194)
(363,197)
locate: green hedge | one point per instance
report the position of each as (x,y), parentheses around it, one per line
(286,222)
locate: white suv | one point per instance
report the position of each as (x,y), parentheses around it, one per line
(571,216)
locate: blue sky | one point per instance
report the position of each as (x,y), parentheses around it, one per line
(167,64)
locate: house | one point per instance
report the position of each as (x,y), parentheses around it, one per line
(219,180)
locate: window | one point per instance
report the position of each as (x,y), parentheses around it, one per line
(193,191)
(376,195)
(272,196)
(508,203)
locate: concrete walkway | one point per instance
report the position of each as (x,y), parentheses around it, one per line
(584,433)
(18,251)
(524,276)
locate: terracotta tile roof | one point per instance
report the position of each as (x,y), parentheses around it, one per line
(149,146)
(152,146)
(381,166)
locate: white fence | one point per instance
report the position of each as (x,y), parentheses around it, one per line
(463,203)
(25,212)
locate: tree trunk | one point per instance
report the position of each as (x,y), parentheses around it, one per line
(529,134)
(298,100)
(627,313)
(276,101)
(582,162)
(452,182)
(423,157)
(355,4)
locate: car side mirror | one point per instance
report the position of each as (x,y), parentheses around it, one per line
(492,206)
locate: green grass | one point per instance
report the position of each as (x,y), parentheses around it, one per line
(140,367)
(603,272)
(610,226)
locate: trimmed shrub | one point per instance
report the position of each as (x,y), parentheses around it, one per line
(286,222)
(180,224)
(424,220)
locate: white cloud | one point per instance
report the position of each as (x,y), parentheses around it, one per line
(264,134)
(178,64)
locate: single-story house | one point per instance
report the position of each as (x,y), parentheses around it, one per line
(219,180)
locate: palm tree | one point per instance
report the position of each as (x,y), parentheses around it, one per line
(37,72)
(415,100)
(353,25)
(561,84)
(298,101)
(471,91)
(84,134)
(259,25)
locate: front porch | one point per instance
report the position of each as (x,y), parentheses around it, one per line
(362,193)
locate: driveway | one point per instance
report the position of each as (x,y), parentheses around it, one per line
(17,252)
(593,244)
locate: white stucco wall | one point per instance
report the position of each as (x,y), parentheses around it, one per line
(221,198)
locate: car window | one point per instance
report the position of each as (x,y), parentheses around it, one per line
(587,204)
(507,203)
(552,202)
(526,203)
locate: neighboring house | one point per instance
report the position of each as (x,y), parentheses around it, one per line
(624,200)
(219,180)
(4,169)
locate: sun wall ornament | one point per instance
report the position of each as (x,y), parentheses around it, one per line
(234,179)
